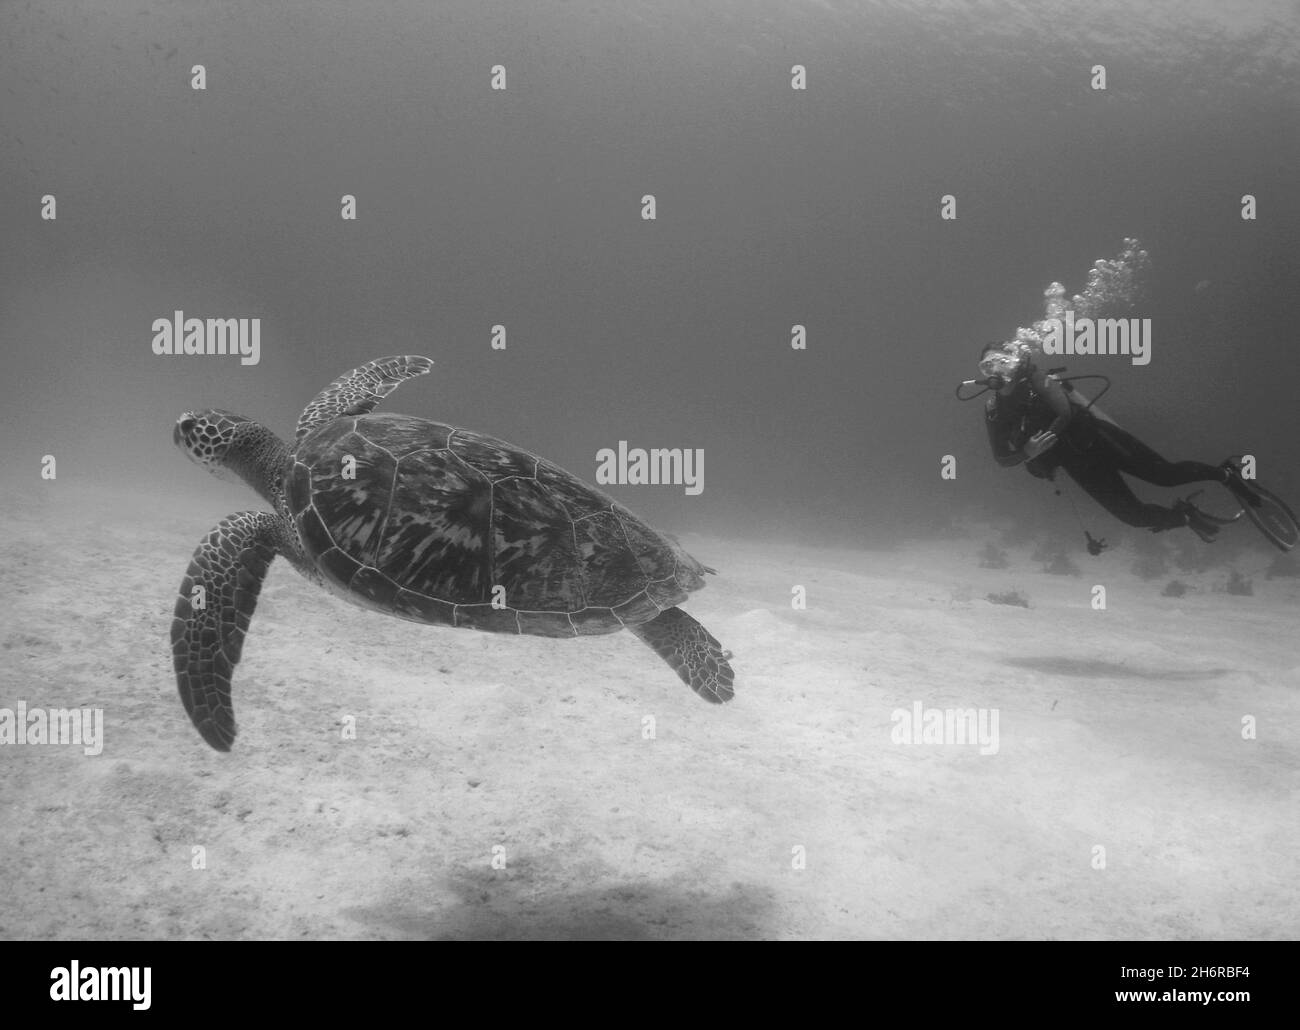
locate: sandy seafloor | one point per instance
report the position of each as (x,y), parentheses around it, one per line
(1119,728)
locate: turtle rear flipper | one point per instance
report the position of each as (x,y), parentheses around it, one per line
(692,651)
(208,627)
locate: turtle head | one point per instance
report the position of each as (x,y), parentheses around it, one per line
(207,437)
(233,448)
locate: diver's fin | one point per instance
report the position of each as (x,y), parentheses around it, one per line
(1241,490)
(1195,519)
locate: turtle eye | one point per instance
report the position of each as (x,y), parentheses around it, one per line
(187,425)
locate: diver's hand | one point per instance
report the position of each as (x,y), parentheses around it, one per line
(1039,443)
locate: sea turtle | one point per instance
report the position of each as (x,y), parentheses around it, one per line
(426,522)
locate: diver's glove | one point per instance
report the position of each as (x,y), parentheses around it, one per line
(1040,443)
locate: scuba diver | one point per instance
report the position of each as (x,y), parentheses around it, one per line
(1035,418)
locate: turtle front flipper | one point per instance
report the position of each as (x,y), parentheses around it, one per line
(359,392)
(209,624)
(692,651)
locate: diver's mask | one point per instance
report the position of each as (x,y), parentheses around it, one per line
(1005,365)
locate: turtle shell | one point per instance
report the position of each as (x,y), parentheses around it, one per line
(442,525)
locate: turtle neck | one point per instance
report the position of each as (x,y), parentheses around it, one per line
(257,456)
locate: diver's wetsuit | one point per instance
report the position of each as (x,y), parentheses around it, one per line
(1092,449)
